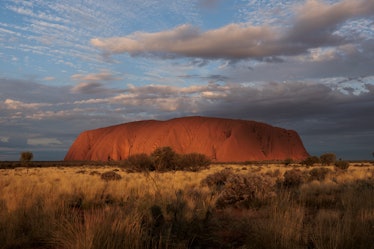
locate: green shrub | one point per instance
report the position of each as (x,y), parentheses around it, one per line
(328,158)
(193,162)
(110,176)
(26,156)
(164,159)
(246,191)
(293,178)
(318,174)
(139,162)
(343,165)
(236,190)
(273,173)
(310,161)
(217,180)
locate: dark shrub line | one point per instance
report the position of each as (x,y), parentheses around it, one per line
(165,159)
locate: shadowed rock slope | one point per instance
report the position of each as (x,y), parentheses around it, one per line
(222,140)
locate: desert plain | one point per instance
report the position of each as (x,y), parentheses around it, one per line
(260,205)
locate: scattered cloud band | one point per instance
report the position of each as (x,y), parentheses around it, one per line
(314,25)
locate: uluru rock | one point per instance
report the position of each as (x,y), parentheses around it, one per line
(222,140)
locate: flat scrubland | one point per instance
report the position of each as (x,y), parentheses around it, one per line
(224,206)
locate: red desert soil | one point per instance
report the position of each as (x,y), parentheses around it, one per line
(222,140)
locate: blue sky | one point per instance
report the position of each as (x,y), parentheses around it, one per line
(68,66)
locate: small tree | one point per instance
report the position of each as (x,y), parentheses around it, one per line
(328,158)
(165,158)
(343,165)
(293,178)
(139,162)
(318,174)
(310,161)
(26,156)
(193,161)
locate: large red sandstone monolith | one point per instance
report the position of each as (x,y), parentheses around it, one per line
(222,140)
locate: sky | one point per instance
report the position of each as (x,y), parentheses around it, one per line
(68,66)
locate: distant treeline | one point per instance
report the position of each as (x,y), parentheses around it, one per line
(44,164)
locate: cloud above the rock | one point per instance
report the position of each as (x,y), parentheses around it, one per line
(92,83)
(315,24)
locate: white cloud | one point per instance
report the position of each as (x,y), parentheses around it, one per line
(49,78)
(89,88)
(104,75)
(60,29)
(23,10)
(16,105)
(231,41)
(4,139)
(47,114)
(90,101)
(93,83)
(43,141)
(2,30)
(313,27)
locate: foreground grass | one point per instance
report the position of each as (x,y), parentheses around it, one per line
(240,207)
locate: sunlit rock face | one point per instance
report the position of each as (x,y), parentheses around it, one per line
(222,140)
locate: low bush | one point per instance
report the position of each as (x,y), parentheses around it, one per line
(217,180)
(273,173)
(293,178)
(328,158)
(237,190)
(193,162)
(318,174)
(165,159)
(246,191)
(310,161)
(111,176)
(343,165)
(26,156)
(139,163)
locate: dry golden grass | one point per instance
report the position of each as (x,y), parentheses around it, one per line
(74,208)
